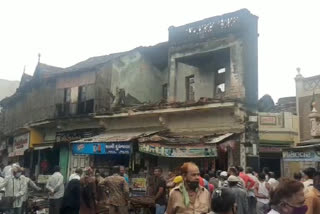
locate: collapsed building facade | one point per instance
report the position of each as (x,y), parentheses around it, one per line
(192,98)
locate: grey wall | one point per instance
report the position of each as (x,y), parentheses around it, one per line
(204,79)
(34,105)
(138,77)
(102,89)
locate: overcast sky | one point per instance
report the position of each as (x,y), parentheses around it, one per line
(66,32)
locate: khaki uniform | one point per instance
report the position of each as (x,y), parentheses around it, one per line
(199,204)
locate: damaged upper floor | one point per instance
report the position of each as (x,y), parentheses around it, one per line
(213,60)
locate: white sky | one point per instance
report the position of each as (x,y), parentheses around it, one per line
(66,32)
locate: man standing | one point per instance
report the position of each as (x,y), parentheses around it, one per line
(160,191)
(71,197)
(241,195)
(273,181)
(248,181)
(309,173)
(76,175)
(189,197)
(15,187)
(261,191)
(251,196)
(118,192)
(235,172)
(28,183)
(56,189)
(88,193)
(123,173)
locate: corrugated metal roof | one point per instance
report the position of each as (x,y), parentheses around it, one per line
(118,136)
(220,138)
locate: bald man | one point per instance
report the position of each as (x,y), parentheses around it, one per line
(189,197)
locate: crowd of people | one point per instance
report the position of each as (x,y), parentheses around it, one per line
(185,191)
(236,191)
(84,193)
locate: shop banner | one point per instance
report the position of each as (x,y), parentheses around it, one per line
(301,155)
(101,148)
(178,151)
(20,144)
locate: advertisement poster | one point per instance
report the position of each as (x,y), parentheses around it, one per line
(139,184)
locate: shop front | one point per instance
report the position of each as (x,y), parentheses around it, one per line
(170,151)
(63,141)
(171,156)
(299,158)
(100,156)
(271,156)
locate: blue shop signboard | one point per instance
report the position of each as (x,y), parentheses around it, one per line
(101,148)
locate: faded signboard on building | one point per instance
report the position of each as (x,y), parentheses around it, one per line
(308,155)
(268,120)
(69,136)
(20,144)
(178,151)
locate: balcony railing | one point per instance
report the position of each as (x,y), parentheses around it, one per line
(210,27)
(70,109)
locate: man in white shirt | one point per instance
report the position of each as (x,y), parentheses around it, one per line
(309,173)
(76,175)
(15,186)
(272,181)
(7,171)
(55,187)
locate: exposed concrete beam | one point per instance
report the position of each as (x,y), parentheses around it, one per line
(171,110)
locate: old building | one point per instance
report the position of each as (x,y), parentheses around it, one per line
(306,153)
(191,98)
(278,130)
(209,93)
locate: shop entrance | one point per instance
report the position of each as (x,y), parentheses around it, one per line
(274,165)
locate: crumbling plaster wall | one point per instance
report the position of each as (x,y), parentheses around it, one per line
(103,96)
(194,122)
(235,90)
(138,77)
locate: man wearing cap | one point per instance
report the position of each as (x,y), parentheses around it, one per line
(223,179)
(15,187)
(241,195)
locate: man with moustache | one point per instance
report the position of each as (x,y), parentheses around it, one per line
(189,197)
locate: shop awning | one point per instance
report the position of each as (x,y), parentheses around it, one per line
(42,146)
(117,142)
(182,145)
(171,138)
(220,138)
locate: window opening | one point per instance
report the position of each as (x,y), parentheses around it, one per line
(190,86)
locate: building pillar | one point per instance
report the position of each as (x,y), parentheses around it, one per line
(63,161)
